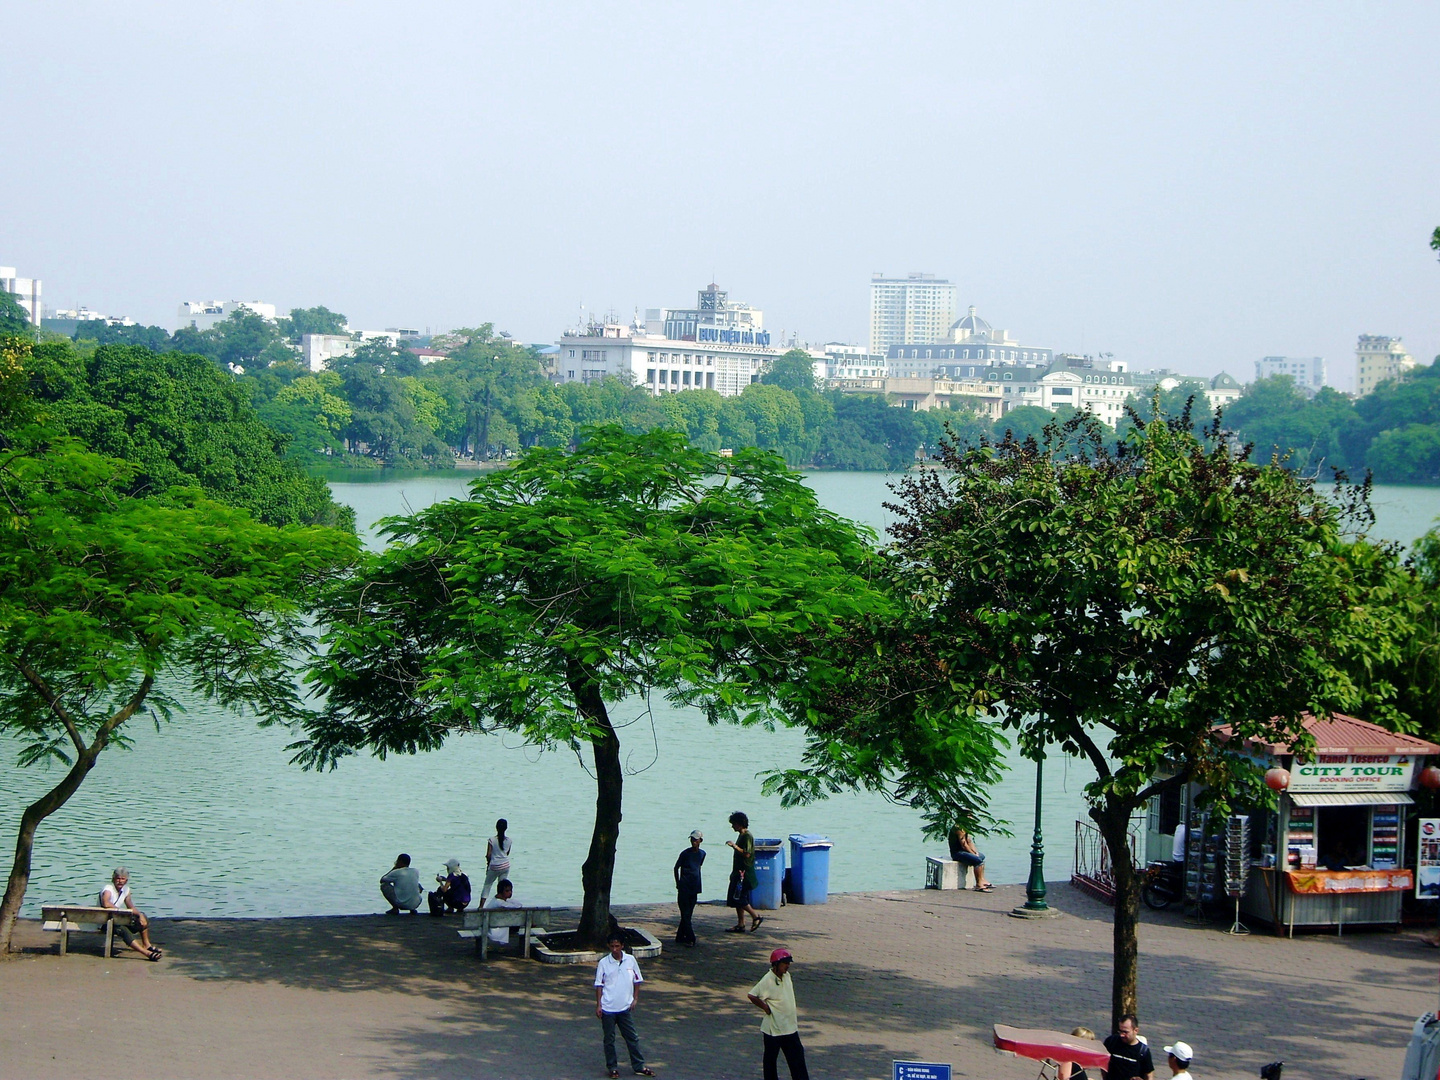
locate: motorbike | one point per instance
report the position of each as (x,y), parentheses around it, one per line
(1164,884)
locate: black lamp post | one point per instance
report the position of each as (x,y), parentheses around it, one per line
(1035,906)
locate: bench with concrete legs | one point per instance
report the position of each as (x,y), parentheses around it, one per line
(948,874)
(81,918)
(478,925)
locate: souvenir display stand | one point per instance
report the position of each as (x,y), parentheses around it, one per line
(1336,842)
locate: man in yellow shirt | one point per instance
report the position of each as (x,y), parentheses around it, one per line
(774,995)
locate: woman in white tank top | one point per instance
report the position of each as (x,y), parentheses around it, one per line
(497,859)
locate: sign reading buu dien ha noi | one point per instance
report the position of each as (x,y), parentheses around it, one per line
(1354,772)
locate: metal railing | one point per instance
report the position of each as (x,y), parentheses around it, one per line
(1093,871)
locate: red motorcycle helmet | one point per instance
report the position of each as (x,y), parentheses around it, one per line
(780,954)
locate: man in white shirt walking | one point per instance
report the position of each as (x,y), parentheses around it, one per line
(617,992)
(774,995)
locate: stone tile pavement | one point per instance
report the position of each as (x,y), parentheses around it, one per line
(878,976)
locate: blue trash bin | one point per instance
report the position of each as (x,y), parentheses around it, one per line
(810,868)
(769,874)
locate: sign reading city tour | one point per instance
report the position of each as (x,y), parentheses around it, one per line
(1354,772)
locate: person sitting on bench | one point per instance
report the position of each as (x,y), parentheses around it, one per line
(133,927)
(963,851)
(504,893)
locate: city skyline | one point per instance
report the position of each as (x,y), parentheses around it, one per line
(1185,189)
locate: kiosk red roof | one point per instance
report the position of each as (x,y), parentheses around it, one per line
(1342,734)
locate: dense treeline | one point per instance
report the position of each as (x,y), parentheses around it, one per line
(180,422)
(490,398)
(1394,432)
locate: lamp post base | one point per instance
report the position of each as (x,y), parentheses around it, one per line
(1033,913)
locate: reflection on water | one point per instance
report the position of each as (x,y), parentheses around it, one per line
(212,820)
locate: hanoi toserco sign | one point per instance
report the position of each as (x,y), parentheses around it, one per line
(1354,772)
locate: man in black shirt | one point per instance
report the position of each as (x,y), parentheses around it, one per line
(1129,1056)
(687,886)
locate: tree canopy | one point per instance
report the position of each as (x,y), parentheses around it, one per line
(1118,603)
(112,602)
(571,581)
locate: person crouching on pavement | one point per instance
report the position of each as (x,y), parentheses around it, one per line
(453,893)
(617,992)
(1178,1057)
(774,995)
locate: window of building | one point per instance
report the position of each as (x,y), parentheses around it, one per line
(686,379)
(650,375)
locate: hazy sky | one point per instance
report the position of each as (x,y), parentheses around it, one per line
(1195,188)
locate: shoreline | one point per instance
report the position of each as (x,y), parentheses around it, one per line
(917,975)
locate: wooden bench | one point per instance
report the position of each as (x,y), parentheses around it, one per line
(478,925)
(82,918)
(948,874)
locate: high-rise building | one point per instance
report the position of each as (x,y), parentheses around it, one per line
(1378,358)
(915,309)
(26,292)
(1307,371)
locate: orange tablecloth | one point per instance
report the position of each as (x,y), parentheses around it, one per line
(1341,881)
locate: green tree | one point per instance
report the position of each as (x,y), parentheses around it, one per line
(110,605)
(569,582)
(104,333)
(794,371)
(310,413)
(184,423)
(14,321)
(1119,603)
(315,320)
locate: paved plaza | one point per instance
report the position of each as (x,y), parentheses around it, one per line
(919,975)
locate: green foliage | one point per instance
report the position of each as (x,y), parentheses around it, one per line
(793,371)
(183,423)
(112,604)
(1119,603)
(315,320)
(103,333)
(570,582)
(13,319)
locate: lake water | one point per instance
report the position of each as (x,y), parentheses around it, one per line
(217,822)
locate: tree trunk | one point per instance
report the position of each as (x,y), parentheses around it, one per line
(35,813)
(599,868)
(1114,825)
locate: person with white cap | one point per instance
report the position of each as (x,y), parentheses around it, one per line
(453,893)
(687,886)
(1179,1057)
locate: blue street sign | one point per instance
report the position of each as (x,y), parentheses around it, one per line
(921,1070)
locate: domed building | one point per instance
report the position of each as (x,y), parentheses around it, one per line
(971,339)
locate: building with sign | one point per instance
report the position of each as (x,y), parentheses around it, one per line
(1333,852)
(971,339)
(725,359)
(714,318)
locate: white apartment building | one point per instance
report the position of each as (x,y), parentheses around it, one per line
(1378,358)
(1307,371)
(203,314)
(319,349)
(27,293)
(916,308)
(835,360)
(996,390)
(662,365)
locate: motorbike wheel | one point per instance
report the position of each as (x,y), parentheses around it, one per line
(1156,896)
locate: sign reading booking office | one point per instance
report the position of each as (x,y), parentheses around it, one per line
(1354,772)
(722,336)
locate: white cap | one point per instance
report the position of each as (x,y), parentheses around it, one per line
(452,865)
(1181,1052)
(696,834)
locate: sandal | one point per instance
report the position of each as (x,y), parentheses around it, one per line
(646,1072)
(154,954)
(756,925)
(734,929)
(987,887)
(613,1074)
